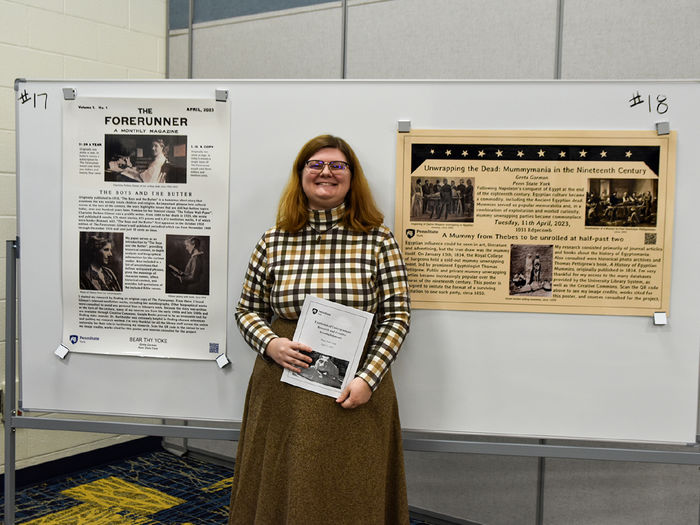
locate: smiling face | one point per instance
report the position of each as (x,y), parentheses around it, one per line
(326,189)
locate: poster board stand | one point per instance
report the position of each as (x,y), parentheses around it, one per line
(587,105)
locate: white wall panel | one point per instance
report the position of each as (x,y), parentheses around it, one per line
(480,488)
(508,39)
(81,68)
(128,48)
(301,43)
(631,39)
(620,493)
(63,34)
(177,56)
(147,16)
(7,154)
(113,13)
(14,23)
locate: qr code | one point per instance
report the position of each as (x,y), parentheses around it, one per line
(650,238)
(213,348)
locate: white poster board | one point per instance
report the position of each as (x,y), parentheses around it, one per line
(497,373)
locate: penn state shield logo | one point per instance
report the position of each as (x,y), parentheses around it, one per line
(73,339)
(410,232)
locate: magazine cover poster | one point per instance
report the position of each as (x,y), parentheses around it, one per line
(145,226)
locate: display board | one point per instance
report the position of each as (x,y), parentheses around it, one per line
(497,373)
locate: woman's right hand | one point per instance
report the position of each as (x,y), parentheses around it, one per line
(288,354)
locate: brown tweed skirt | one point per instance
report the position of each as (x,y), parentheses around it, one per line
(303,459)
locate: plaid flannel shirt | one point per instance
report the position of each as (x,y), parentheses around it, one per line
(325,259)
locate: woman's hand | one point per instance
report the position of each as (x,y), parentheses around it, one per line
(357,393)
(288,354)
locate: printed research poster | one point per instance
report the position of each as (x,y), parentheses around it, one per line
(145,226)
(540,221)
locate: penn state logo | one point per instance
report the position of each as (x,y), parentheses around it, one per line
(73,339)
(410,232)
(314,310)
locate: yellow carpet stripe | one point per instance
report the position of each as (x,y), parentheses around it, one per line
(219,485)
(88,514)
(115,492)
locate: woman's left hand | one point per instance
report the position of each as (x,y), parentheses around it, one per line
(357,393)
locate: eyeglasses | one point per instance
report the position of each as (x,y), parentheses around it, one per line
(336,166)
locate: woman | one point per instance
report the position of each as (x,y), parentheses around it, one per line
(156,170)
(195,277)
(304,457)
(97,275)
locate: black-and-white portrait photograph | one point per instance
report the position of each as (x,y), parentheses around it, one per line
(326,370)
(442,199)
(146,158)
(101,261)
(187,264)
(627,203)
(531,269)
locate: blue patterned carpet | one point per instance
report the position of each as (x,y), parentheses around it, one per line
(153,488)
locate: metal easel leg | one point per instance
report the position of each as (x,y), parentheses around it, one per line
(540,487)
(10,364)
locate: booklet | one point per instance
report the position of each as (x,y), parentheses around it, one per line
(337,336)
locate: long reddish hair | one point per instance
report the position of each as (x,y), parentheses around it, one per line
(361,212)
